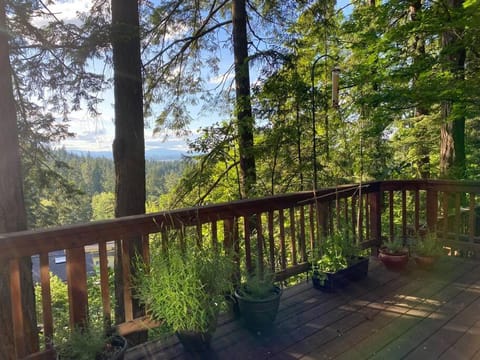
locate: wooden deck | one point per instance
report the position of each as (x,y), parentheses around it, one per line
(411,315)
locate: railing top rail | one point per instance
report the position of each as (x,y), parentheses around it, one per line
(28,243)
(438,185)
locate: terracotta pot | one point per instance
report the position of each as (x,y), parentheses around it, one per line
(394,262)
(425,262)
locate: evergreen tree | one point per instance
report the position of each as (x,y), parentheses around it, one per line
(12,208)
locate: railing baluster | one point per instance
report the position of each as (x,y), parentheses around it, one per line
(375,219)
(471,218)
(293,237)
(303,250)
(271,241)
(432,209)
(362,215)
(146,248)
(164,239)
(330,225)
(346,217)
(213,225)
(104,283)
(17,311)
(46,299)
(283,257)
(126,284)
(231,245)
(458,220)
(404,214)
(417,211)
(354,218)
(367,217)
(248,250)
(311,218)
(337,211)
(199,234)
(77,286)
(445,213)
(391,231)
(260,264)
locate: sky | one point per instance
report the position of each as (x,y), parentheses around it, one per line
(95,135)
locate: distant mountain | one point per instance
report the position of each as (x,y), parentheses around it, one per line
(155,154)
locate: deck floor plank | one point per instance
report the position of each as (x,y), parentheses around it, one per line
(388,315)
(362,339)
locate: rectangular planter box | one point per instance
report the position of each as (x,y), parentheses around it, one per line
(341,278)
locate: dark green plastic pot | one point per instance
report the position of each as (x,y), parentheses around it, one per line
(259,314)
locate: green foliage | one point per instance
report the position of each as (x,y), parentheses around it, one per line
(103,206)
(428,245)
(83,344)
(258,285)
(60,311)
(394,247)
(60,305)
(337,251)
(88,188)
(185,289)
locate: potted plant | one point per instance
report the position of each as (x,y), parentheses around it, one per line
(184,289)
(91,343)
(258,300)
(427,249)
(394,254)
(340,262)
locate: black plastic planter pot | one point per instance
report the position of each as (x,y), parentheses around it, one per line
(259,314)
(194,341)
(341,278)
(120,343)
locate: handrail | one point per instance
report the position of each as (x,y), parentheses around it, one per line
(287,230)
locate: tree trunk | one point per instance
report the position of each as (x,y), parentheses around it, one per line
(12,210)
(129,143)
(452,137)
(422,149)
(243,107)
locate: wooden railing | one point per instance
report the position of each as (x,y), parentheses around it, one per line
(283,230)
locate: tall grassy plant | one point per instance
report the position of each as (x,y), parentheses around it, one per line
(185,289)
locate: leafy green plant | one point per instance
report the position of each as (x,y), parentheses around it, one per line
(60,311)
(258,285)
(428,245)
(394,247)
(337,252)
(88,343)
(185,289)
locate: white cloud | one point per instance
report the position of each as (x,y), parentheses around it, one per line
(223,78)
(66,10)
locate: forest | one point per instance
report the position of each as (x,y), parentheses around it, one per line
(88,189)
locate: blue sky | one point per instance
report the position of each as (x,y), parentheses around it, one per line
(97,134)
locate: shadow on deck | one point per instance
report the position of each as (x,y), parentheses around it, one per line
(414,315)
